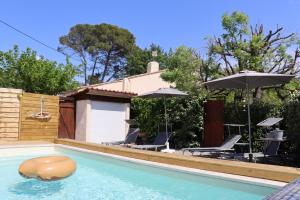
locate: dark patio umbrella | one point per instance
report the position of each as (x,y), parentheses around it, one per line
(164,93)
(248,80)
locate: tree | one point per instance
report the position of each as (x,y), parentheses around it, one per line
(25,70)
(137,61)
(102,48)
(183,68)
(245,47)
(188,70)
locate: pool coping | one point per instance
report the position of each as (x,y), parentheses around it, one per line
(254,170)
(263,171)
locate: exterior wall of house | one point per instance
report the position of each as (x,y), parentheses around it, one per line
(114,85)
(137,84)
(127,116)
(82,118)
(148,83)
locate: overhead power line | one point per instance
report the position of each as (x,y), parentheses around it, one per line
(37,40)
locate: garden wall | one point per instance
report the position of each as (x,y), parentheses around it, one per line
(9,113)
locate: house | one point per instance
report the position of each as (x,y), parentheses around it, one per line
(101,110)
(140,83)
(100,114)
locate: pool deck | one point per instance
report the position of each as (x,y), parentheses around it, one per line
(262,171)
(25,142)
(289,192)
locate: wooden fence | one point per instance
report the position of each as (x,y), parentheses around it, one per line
(16,110)
(37,129)
(9,113)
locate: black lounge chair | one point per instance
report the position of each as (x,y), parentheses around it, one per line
(130,138)
(226,146)
(271,146)
(159,142)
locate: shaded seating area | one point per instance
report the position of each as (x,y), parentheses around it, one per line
(164,93)
(214,123)
(247,81)
(159,142)
(226,146)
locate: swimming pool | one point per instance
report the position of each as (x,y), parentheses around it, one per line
(103,177)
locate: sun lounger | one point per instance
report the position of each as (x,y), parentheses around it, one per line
(130,138)
(226,146)
(159,142)
(271,146)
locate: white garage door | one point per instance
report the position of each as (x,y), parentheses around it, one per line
(107,122)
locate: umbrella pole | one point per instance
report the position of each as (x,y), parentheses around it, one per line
(249,126)
(166,121)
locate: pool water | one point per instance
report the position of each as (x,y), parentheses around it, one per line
(99,177)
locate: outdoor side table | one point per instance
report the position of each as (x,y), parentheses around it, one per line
(239,126)
(273,139)
(243,147)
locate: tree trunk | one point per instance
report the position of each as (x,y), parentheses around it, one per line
(93,70)
(106,63)
(258,93)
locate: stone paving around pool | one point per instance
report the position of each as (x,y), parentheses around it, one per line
(288,192)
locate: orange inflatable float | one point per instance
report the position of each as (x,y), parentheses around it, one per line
(47,168)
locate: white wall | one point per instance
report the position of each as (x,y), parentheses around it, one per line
(127,116)
(100,121)
(107,122)
(148,83)
(137,84)
(82,116)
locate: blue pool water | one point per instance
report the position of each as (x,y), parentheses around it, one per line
(99,177)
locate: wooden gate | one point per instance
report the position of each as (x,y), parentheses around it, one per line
(66,127)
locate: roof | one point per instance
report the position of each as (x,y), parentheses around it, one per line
(100,92)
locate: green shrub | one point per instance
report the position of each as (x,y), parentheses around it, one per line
(291,113)
(185,115)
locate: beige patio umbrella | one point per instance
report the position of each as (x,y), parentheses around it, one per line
(164,93)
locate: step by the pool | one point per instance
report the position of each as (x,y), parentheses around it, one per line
(48,168)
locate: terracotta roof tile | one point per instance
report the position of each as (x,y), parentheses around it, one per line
(100,92)
(117,91)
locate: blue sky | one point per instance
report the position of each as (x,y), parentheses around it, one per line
(169,23)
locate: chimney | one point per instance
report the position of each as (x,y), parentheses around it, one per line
(152,67)
(126,85)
